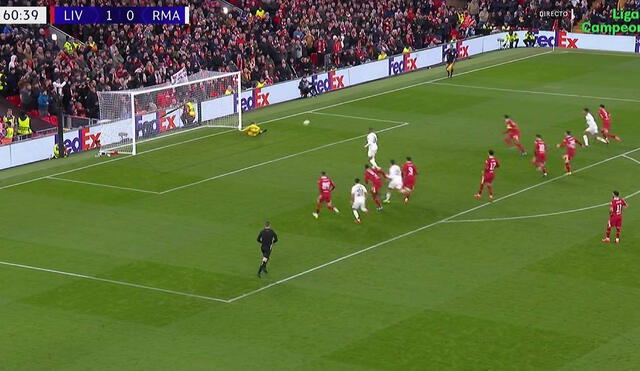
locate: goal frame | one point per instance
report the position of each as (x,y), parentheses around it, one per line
(237,101)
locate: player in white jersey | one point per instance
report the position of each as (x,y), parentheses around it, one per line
(358,199)
(372,147)
(592,128)
(395,181)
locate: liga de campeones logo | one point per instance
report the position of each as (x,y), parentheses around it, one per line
(630,23)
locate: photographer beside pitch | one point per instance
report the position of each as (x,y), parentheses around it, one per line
(266,238)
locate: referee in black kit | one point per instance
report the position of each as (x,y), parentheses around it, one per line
(266,238)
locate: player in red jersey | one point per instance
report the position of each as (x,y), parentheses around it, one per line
(605,116)
(374,176)
(540,160)
(325,187)
(569,143)
(409,173)
(512,137)
(490,166)
(615,216)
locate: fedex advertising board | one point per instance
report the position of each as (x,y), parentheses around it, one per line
(330,81)
(569,40)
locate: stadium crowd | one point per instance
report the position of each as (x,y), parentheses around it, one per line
(268,40)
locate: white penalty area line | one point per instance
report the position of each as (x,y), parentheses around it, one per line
(537,92)
(268,121)
(632,159)
(510,218)
(278,159)
(103,185)
(354,117)
(227,301)
(115,282)
(400,124)
(419,229)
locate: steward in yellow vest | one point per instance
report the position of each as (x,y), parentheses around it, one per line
(24,125)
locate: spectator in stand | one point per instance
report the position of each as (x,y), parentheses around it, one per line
(257,39)
(43,104)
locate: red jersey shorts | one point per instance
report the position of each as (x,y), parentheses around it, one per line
(409,182)
(325,197)
(487,177)
(570,153)
(615,221)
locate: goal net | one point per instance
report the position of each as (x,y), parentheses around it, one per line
(204,99)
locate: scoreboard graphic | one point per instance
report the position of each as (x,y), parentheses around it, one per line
(93,15)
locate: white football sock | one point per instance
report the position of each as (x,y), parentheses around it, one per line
(373,163)
(388,196)
(355,213)
(586,140)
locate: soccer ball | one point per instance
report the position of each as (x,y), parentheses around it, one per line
(306,122)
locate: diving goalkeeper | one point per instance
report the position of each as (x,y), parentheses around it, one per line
(254,130)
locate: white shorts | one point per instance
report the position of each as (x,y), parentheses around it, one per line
(395,183)
(593,130)
(372,151)
(358,203)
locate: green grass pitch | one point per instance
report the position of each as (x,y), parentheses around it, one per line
(149,262)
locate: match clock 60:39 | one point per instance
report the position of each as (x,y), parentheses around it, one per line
(23,15)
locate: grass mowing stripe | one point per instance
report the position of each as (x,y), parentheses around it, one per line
(538,92)
(121,283)
(277,160)
(272,120)
(414,231)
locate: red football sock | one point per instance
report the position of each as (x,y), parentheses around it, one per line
(608,233)
(481,188)
(490,189)
(544,170)
(330,208)
(520,147)
(377,201)
(567,166)
(618,232)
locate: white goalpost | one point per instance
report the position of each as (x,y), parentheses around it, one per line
(204,99)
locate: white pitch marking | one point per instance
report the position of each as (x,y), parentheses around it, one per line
(277,160)
(632,159)
(537,92)
(102,185)
(619,54)
(121,283)
(355,117)
(428,82)
(414,231)
(271,120)
(536,215)
(110,160)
